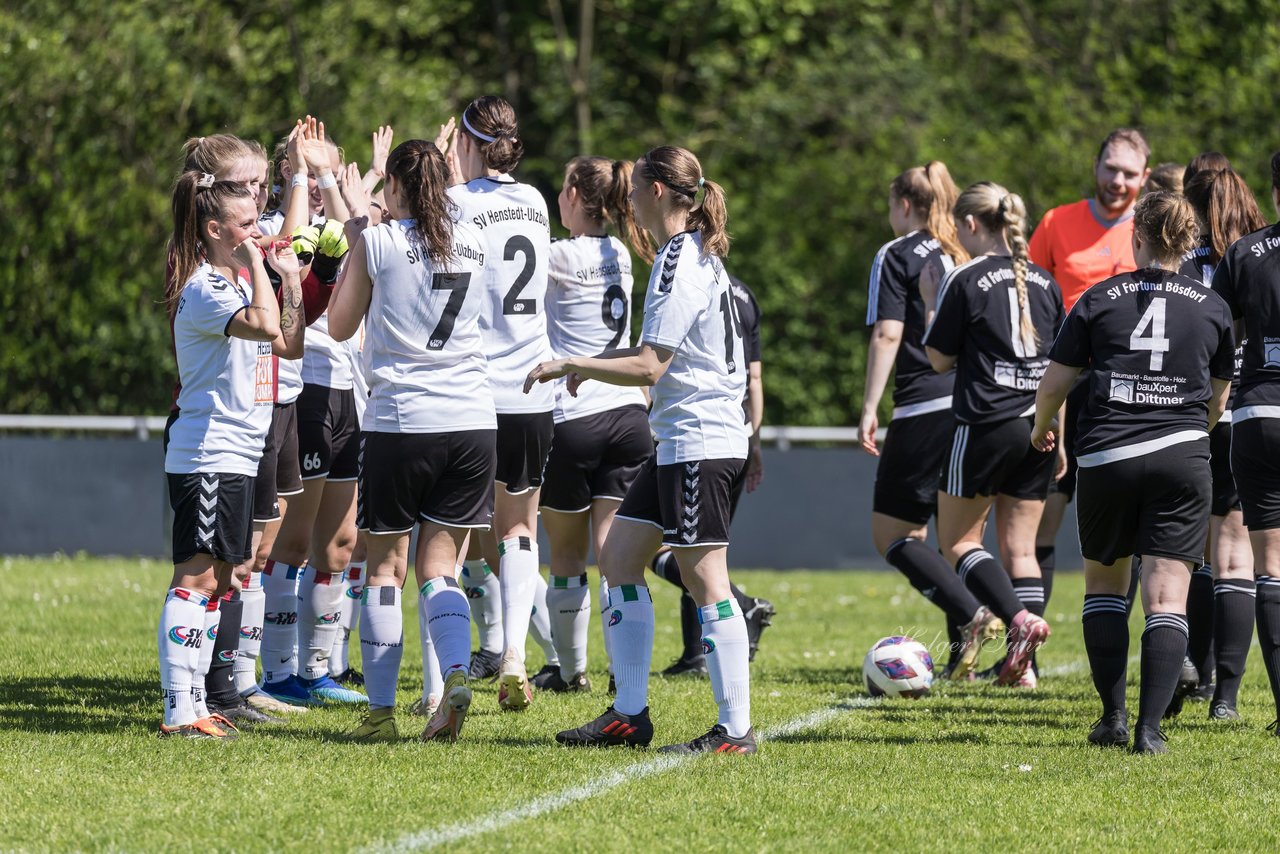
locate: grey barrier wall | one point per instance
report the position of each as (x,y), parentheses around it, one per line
(106,496)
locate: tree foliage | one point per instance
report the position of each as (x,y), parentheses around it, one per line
(803,109)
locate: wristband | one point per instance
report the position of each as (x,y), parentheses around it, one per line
(325,182)
(298,181)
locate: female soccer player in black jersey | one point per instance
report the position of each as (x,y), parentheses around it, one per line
(1249,280)
(1159,349)
(995,318)
(1220,603)
(906,491)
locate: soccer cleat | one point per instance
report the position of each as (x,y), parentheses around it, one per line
(1221,710)
(548,678)
(484,664)
(612,729)
(425,707)
(204,728)
(1274,727)
(1150,741)
(325,690)
(687,665)
(717,740)
(1111,730)
(379,725)
(241,713)
(269,705)
(1027,634)
(1188,684)
(984,628)
(514,693)
(1029,681)
(223,724)
(351,678)
(446,723)
(289,690)
(1204,692)
(759,617)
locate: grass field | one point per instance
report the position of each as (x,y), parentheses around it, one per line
(971,767)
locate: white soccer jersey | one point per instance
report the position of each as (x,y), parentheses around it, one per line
(589,312)
(422,342)
(227,384)
(697,404)
(512,219)
(325,362)
(359,380)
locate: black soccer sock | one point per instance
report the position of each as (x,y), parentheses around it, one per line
(1047,557)
(666,567)
(1233,607)
(690,628)
(1135,573)
(1200,608)
(1106,641)
(1030,592)
(220,683)
(955,637)
(929,573)
(1164,645)
(1268,612)
(982,573)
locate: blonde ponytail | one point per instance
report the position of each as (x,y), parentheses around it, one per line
(931,191)
(679,171)
(1013,213)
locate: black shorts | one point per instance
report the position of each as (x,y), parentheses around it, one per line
(1077,398)
(524,440)
(278,472)
(213,515)
(996,459)
(445,478)
(910,461)
(1255,462)
(691,503)
(596,456)
(328,435)
(1155,504)
(1225,496)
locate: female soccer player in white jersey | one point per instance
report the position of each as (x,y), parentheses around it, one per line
(691,352)
(906,491)
(512,218)
(996,316)
(1220,603)
(225,332)
(602,434)
(1160,352)
(427,451)
(1249,280)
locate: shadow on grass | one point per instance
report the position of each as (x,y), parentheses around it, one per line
(79,703)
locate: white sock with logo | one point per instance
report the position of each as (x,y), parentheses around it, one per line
(540,622)
(518,573)
(352,587)
(180,638)
(604,622)
(484,595)
(432,681)
(254,603)
(630,620)
(725,645)
(381,644)
(279,651)
(198,692)
(449,622)
(319,620)
(569,607)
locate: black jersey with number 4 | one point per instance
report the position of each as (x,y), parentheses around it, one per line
(1249,280)
(1152,339)
(978,321)
(895,295)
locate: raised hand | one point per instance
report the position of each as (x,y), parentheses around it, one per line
(314,148)
(353,189)
(381,149)
(444,138)
(297,163)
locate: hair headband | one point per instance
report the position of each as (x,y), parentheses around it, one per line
(477,134)
(684,191)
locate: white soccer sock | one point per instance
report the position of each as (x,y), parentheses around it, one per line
(432,681)
(569,607)
(518,572)
(253,601)
(725,645)
(279,630)
(319,620)
(484,595)
(180,638)
(198,692)
(604,622)
(631,627)
(540,622)
(449,622)
(352,587)
(381,644)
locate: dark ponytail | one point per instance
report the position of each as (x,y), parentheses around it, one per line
(604,191)
(679,171)
(491,122)
(423,175)
(197,199)
(1225,208)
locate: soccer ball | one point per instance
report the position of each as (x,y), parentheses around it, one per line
(898,667)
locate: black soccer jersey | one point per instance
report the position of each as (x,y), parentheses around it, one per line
(978,321)
(895,295)
(1249,280)
(1196,265)
(1152,339)
(749,311)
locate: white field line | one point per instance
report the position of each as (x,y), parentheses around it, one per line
(424,840)
(1077,666)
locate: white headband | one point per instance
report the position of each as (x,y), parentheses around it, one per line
(466,124)
(206,180)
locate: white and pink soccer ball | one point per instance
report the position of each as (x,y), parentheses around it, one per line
(898,667)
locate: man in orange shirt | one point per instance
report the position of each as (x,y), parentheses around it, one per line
(1081,244)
